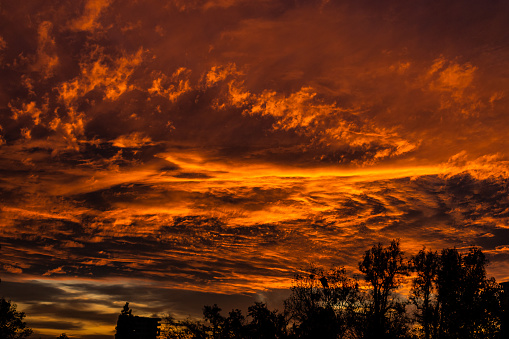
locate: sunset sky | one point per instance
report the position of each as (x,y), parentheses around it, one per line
(175,153)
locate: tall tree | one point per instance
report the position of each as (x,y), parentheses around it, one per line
(234,325)
(12,325)
(468,301)
(449,283)
(453,296)
(482,297)
(212,315)
(384,268)
(265,324)
(423,292)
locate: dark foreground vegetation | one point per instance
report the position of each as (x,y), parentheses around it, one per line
(450,297)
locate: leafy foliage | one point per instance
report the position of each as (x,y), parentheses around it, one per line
(322,303)
(423,293)
(383,270)
(12,325)
(453,296)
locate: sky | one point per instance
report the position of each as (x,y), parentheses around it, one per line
(179,153)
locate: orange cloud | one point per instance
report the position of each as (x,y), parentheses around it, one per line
(451,77)
(327,123)
(172,87)
(220,73)
(96,73)
(46,58)
(89,20)
(30,109)
(134,140)
(484,167)
(455,83)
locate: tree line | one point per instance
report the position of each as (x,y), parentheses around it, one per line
(449,297)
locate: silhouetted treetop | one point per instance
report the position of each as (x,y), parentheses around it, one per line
(12,325)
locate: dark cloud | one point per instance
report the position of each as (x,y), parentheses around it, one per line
(32,291)
(111,91)
(59,325)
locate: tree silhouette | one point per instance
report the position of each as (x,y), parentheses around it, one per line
(383,270)
(126,311)
(12,325)
(185,329)
(480,305)
(423,292)
(265,324)
(322,303)
(233,327)
(468,302)
(212,315)
(453,296)
(449,294)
